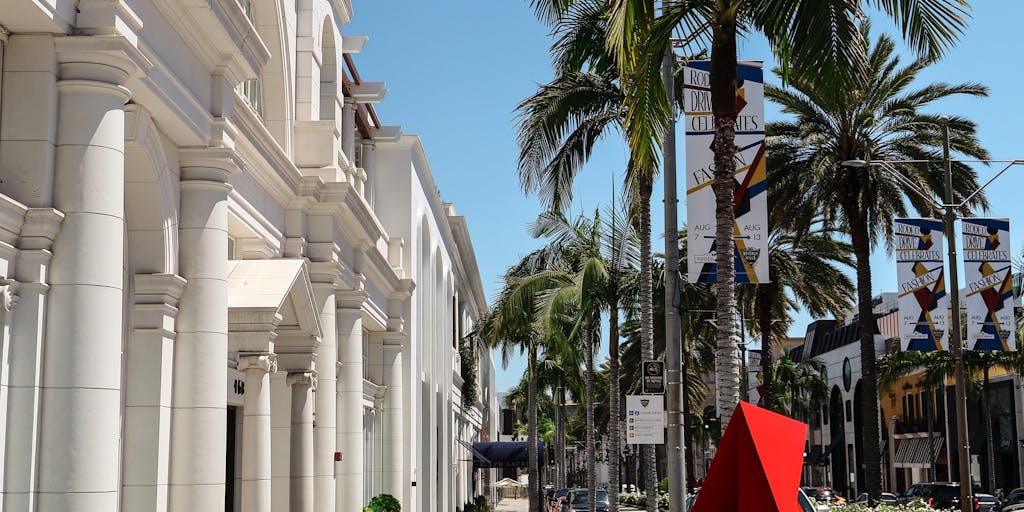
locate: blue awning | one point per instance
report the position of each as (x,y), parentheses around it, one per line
(503,454)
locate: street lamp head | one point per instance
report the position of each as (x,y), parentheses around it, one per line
(855,163)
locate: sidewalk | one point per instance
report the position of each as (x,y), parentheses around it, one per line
(513,505)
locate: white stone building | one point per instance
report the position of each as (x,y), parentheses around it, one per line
(226,284)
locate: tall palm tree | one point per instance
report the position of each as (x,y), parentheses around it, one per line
(877,114)
(516,323)
(804,272)
(561,122)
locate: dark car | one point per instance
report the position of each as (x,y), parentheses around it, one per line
(936,494)
(987,503)
(821,494)
(885,499)
(581,500)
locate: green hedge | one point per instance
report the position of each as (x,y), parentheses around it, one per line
(383,503)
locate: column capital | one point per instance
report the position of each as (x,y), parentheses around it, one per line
(40,228)
(349,102)
(101,58)
(265,361)
(302,379)
(208,164)
(8,297)
(158,288)
(350,299)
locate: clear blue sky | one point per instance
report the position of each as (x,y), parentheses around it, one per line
(456,69)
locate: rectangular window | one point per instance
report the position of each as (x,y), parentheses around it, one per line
(252,92)
(246,6)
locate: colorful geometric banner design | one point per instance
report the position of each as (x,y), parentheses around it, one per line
(988,284)
(750,199)
(923,301)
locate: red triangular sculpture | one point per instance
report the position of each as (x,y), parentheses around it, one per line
(757,465)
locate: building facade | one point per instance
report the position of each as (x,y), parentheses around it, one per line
(226,285)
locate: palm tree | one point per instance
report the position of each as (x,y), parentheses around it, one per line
(803,272)
(876,115)
(515,323)
(802,386)
(561,122)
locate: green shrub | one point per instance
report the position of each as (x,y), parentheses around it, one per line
(480,504)
(663,485)
(383,503)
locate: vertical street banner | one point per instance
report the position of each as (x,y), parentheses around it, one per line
(989,284)
(750,199)
(923,301)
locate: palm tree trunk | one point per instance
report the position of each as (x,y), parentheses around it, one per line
(684,376)
(990,457)
(531,436)
(765,320)
(613,408)
(560,457)
(931,432)
(647,331)
(723,104)
(588,341)
(558,434)
(869,435)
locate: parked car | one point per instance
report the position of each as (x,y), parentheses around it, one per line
(1013,501)
(809,505)
(987,503)
(806,504)
(581,500)
(936,494)
(887,498)
(821,494)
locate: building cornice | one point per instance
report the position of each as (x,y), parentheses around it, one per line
(220,34)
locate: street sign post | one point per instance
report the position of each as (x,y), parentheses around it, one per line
(653,378)
(645,419)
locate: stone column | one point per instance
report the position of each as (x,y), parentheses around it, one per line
(348,132)
(26,357)
(256,430)
(81,397)
(147,405)
(350,400)
(370,167)
(325,439)
(394,451)
(301,489)
(198,403)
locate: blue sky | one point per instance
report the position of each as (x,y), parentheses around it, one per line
(456,69)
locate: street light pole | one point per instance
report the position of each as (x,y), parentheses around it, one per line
(956,338)
(675,451)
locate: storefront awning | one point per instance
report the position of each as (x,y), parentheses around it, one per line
(915,451)
(503,454)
